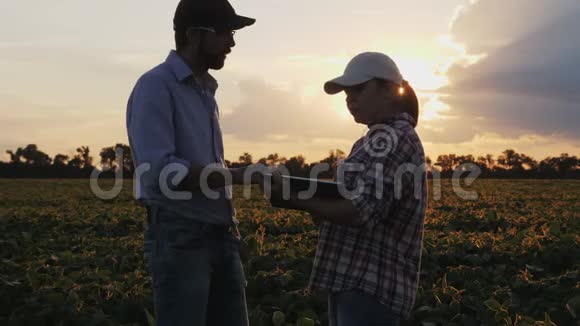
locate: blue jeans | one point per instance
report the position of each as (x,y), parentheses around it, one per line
(196,271)
(354,308)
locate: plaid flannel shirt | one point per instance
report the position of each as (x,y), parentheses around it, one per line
(381,255)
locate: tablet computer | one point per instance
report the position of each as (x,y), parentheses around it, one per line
(319,188)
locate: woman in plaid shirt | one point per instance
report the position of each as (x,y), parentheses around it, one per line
(369,252)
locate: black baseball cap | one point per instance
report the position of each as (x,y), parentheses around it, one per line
(217,14)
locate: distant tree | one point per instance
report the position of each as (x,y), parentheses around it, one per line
(516,164)
(60,160)
(562,166)
(296,166)
(29,161)
(446,162)
(274,159)
(82,160)
(510,160)
(566,163)
(84,154)
(32,156)
(109,158)
(245,159)
(528,163)
(490,161)
(75,163)
(15,157)
(128,164)
(464,159)
(481,161)
(453,162)
(547,169)
(334,157)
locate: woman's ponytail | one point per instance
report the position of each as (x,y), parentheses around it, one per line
(409,102)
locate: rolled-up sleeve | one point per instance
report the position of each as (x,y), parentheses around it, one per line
(151,129)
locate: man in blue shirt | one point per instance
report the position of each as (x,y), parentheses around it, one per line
(191,240)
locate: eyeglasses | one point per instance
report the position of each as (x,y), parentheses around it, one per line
(220,32)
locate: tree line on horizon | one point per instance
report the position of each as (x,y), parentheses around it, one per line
(31,162)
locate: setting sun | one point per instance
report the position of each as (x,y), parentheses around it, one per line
(421,75)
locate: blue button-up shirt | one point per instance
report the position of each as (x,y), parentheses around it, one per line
(172,121)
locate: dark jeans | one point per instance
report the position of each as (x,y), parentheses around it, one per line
(354,308)
(196,271)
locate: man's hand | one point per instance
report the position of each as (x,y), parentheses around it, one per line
(192,181)
(277,190)
(218,177)
(273,186)
(248,175)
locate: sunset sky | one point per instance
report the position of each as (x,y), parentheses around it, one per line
(491,74)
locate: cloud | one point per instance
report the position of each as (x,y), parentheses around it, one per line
(266,111)
(527,81)
(484,25)
(267,116)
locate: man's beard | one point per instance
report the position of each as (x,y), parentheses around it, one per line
(214,61)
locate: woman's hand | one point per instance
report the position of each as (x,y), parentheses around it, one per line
(338,211)
(275,189)
(279,191)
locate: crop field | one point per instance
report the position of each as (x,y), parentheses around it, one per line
(511,257)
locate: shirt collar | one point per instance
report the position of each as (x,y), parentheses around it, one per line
(182,72)
(403,116)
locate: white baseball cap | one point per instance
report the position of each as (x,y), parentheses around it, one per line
(364,67)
